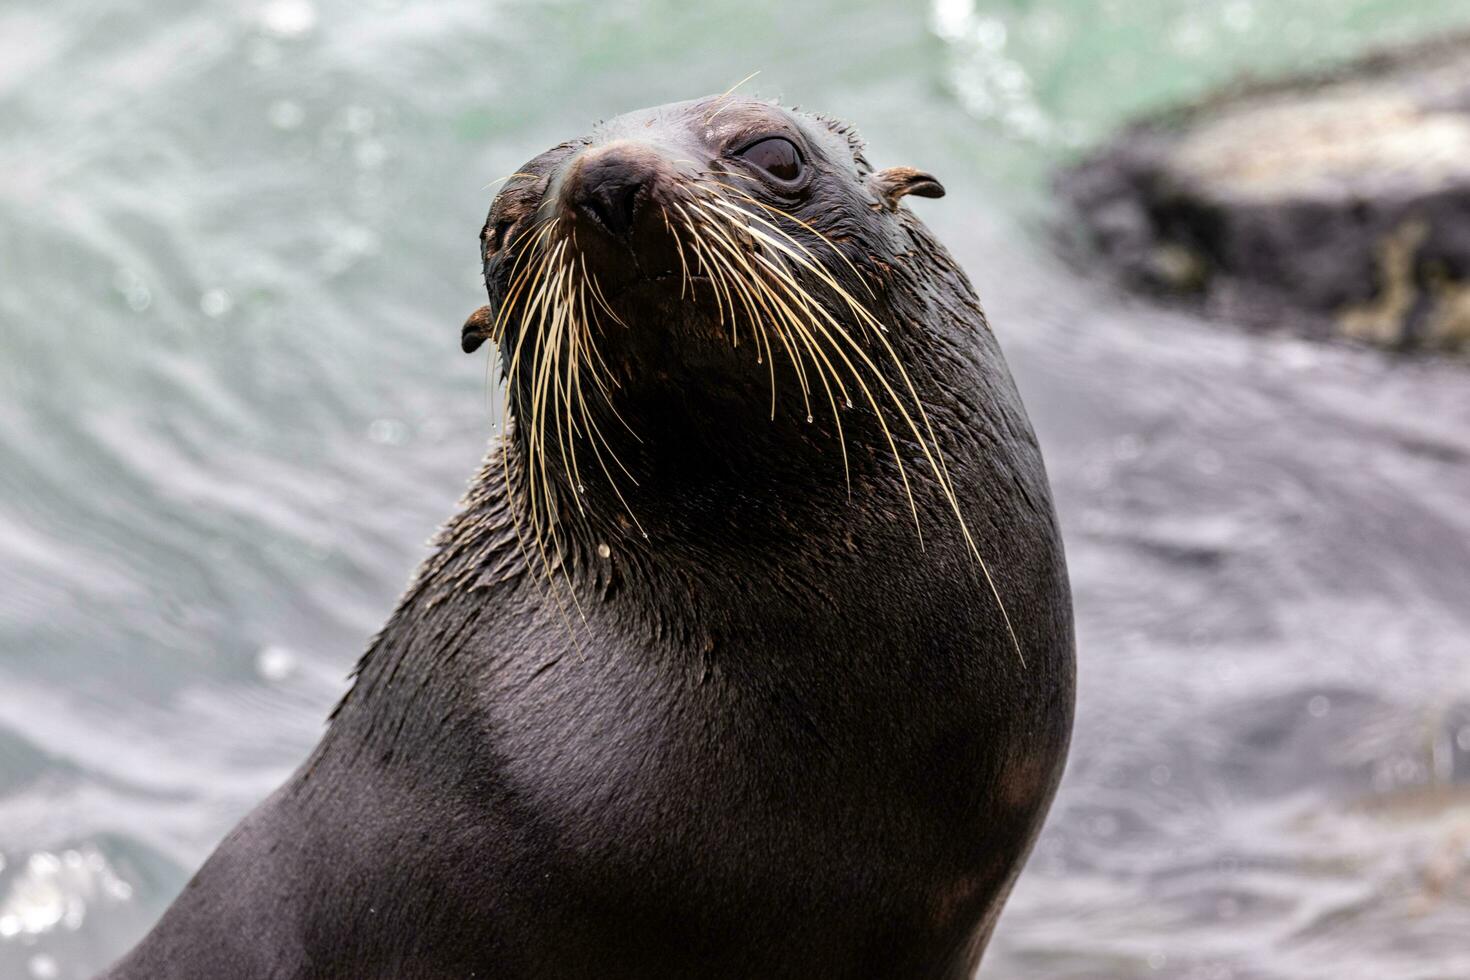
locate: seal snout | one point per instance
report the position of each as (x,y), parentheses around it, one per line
(611,186)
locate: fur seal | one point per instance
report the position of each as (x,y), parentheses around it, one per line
(750,651)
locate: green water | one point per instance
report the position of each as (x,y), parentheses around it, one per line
(236,244)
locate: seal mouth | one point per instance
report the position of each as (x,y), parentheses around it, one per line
(659,279)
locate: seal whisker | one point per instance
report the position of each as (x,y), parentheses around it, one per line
(799,252)
(704,266)
(538,314)
(794,293)
(592,429)
(562,371)
(758,326)
(534,320)
(797,361)
(931,454)
(557,320)
(823,365)
(684,283)
(597,368)
(711,117)
(760,330)
(802,258)
(740,255)
(754,280)
(804,224)
(798,325)
(522,280)
(521,277)
(722,282)
(501,180)
(699,231)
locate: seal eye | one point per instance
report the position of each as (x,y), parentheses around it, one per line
(776,156)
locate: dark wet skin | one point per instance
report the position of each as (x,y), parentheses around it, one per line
(773,737)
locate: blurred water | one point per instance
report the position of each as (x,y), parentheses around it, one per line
(236,244)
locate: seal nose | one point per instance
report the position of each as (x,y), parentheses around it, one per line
(612,187)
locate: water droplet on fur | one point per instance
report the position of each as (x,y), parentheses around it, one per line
(645,535)
(581,488)
(809,419)
(603,551)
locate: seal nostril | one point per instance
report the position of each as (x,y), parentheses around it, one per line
(628,204)
(610,187)
(614,203)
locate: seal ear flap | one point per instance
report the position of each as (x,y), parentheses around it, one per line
(476,330)
(894,183)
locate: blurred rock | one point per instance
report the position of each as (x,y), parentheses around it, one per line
(1339,202)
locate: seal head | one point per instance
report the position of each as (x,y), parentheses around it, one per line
(688,270)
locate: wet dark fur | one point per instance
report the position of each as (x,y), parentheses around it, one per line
(786,742)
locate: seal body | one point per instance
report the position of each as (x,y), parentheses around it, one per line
(710,709)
